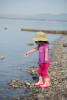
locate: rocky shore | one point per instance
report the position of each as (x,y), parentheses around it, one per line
(58,75)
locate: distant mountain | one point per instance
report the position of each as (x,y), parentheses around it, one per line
(46,16)
(51,16)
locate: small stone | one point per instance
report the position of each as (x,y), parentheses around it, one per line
(30,44)
(65,45)
(14,86)
(5,28)
(2,57)
(18,98)
(27,83)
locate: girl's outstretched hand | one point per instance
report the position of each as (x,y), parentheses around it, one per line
(26,54)
(31,51)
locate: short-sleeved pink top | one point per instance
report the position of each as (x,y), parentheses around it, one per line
(42,53)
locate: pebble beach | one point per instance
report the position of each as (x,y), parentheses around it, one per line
(58,76)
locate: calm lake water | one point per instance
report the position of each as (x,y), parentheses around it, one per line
(13,45)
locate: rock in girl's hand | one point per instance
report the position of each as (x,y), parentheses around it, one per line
(26,54)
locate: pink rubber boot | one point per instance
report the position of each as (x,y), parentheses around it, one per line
(46,84)
(40,82)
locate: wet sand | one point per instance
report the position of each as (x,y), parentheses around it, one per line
(58,75)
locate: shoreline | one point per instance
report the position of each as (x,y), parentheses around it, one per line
(57,72)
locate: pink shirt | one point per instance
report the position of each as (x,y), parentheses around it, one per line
(42,53)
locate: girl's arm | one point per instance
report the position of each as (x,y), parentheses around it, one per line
(31,51)
(46,54)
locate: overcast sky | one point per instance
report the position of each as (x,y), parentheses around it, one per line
(32,7)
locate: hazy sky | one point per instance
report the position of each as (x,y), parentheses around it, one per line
(32,7)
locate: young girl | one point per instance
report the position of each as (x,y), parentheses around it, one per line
(43,47)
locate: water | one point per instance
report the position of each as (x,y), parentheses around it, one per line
(13,45)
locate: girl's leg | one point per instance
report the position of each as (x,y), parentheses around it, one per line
(45,75)
(45,70)
(40,76)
